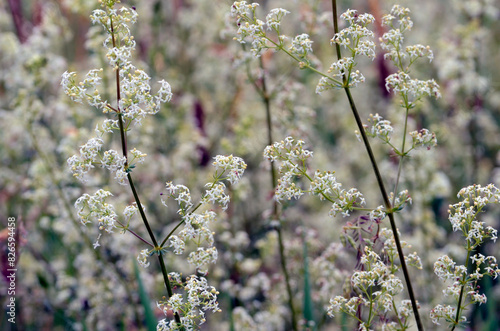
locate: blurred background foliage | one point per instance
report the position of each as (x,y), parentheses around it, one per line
(64,284)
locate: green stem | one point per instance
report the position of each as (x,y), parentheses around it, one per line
(462,289)
(182,221)
(381,185)
(125,227)
(305,64)
(397,317)
(171,233)
(287,277)
(167,283)
(141,211)
(402,156)
(267,102)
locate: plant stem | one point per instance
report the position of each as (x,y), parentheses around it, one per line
(125,227)
(387,203)
(388,206)
(462,289)
(287,278)
(402,156)
(267,102)
(131,182)
(141,210)
(172,232)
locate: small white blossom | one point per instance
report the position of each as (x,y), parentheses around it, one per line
(235,167)
(178,244)
(181,194)
(324,85)
(335,305)
(273,19)
(142,258)
(216,194)
(130,210)
(379,127)
(200,297)
(94,208)
(202,257)
(301,45)
(75,92)
(423,138)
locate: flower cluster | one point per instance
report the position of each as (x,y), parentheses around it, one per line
(136,91)
(107,126)
(94,208)
(291,157)
(253,29)
(112,160)
(273,19)
(376,289)
(383,130)
(89,153)
(403,84)
(233,166)
(197,229)
(216,194)
(463,217)
(445,312)
(200,298)
(136,100)
(181,194)
(301,46)
(142,258)
(423,138)
(197,226)
(249,27)
(379,127)
(400,200)
(353,38)
(392,42)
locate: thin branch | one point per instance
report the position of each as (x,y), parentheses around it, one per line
(267,102)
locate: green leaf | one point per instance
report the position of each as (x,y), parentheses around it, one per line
(130,168)
(151,321)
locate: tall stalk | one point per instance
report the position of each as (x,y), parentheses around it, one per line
(383,191)
(123,139)
(462,288)
(266,99)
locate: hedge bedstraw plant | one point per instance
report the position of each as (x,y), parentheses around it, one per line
(375,286)
(133,102)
